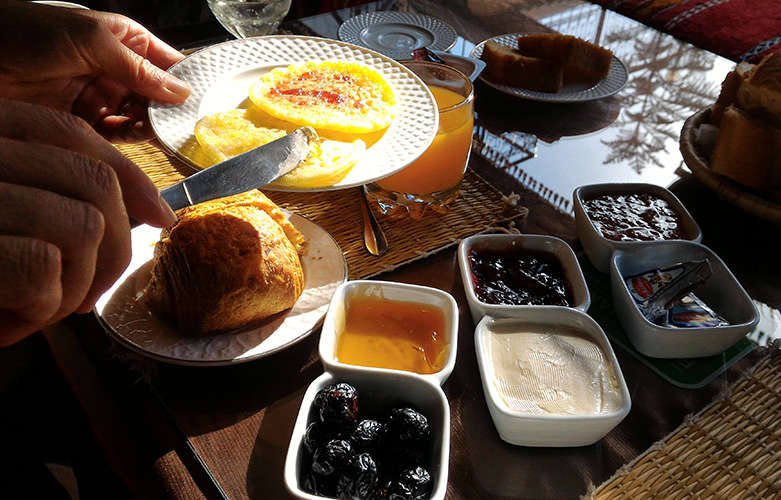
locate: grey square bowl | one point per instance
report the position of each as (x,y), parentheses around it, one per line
(597,247)
(721,292)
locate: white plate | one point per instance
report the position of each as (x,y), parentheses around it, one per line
(222,74)
(132,324)
(613,83)
(397,34)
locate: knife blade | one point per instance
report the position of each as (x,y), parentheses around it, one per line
(243,172)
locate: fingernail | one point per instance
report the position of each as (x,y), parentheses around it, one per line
(169,214)
(177,87)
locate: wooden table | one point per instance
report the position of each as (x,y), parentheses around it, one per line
(189,432)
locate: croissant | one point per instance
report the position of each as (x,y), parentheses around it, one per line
(227,263)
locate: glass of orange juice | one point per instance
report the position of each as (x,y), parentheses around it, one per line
(434,179)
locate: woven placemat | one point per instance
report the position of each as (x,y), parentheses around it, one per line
(730,449)
(479,208)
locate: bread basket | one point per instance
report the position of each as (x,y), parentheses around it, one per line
(726,189)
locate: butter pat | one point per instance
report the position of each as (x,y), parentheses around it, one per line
(551,370)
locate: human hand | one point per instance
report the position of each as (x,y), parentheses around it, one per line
(102,67)
(65,198)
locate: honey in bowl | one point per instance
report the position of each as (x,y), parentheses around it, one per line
(393,334)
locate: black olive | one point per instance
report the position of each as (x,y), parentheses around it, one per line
(338,405)
(359,477)
(315,436)
(407,425)
(320,485)
(330,457)
(367,435)
(400,457)
(412,484)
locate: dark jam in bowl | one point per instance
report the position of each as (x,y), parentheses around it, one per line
(519,277)
(633,217)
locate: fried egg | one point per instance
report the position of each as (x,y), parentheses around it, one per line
(329,95)
(229,133)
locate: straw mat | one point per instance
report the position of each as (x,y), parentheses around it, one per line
(478,209)
(730,449)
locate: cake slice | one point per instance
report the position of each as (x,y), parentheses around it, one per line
(506,66)
(583,61)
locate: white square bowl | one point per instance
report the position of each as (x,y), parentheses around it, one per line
(377,392)
(335,319)
(552,429)
(520,242)
(597,247)
(721,292)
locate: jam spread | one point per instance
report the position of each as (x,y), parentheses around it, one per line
(519,277)
(633,217)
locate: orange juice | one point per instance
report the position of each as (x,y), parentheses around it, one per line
(443,164)
(393,334)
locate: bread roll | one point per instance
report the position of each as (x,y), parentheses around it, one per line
(760,93)
(748,151)
(505,66)
(729,91)
(227,263)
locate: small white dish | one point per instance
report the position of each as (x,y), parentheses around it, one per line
(128,320)
(377,392)
(397,34)
(67,5)
(335,318)
(599,248)
(581,299)
(527,413)
(613,83)
(721,292)
(467,65)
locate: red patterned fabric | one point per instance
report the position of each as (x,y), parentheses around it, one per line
(741,30)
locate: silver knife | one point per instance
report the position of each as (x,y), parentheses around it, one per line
(243,172)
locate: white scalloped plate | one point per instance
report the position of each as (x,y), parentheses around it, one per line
(613,83)
(222,74)
(397,34)
(129,321)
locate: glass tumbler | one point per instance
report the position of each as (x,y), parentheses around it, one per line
(434,179)
(245,18)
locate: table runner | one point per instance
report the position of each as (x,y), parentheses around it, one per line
(740,30)
(730,449)
(479,208)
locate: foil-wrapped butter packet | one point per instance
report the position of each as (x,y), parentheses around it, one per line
(691,312)
(656,290)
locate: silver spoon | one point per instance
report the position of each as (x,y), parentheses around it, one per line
(373,237)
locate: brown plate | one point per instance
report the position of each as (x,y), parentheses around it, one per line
(728,190)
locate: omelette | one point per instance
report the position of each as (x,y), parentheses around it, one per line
(229,133)
(329,95)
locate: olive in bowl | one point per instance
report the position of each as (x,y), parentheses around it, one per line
(370,435)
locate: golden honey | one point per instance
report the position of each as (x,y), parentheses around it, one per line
(393,334)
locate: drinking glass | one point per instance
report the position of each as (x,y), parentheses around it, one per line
(244,18)
(434,179)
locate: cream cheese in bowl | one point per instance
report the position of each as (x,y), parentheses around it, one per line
(551,370)
(550,377)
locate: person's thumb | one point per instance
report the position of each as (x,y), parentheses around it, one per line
(141,76)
